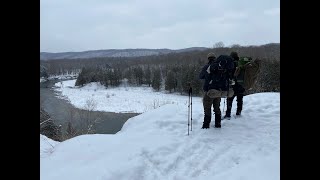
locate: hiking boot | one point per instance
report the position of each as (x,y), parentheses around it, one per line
(239,107)
(205,126)
(228,117)
(206,122)
(217,121)
(217,125)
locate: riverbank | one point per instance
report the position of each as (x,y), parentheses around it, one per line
(62,112)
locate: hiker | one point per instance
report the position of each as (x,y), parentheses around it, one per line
(237,88)
(215,86)
(240,86)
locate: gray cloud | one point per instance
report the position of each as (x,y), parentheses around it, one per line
(78,25)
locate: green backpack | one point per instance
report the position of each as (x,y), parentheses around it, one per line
(247,72)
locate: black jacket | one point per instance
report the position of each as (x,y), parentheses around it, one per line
(214,81)
(204,75)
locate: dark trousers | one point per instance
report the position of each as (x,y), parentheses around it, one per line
(238,92)
(239,104)
(207,103)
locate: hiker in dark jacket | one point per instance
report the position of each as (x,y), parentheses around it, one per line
(237,88)
(218,87)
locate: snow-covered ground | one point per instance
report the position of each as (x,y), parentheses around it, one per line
(119,99)
(46,145)
(155,144)
(43,80)
(63,77)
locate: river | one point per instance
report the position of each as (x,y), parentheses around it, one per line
(61,111)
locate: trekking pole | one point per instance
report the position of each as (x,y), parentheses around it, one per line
(190,92)
(224,102)
(188,112)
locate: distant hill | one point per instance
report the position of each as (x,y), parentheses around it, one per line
(113,53)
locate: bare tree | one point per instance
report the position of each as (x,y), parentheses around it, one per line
(235,46)
(87,117)
(71,130)
(48,127)
(219,44)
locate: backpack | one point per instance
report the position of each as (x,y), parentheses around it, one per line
(219,74)
(246,72)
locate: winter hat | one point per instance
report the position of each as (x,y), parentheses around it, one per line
(211,55)
(234,55)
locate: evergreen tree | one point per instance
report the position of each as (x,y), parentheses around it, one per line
(156,80)
(148,76)
(170,81)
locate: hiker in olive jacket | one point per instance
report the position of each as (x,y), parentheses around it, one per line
(237,88)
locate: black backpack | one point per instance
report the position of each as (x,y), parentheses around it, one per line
(219,73)
(220,70)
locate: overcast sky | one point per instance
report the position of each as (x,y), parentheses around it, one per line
(79,25)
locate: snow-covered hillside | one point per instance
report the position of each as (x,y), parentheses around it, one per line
(155,145)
